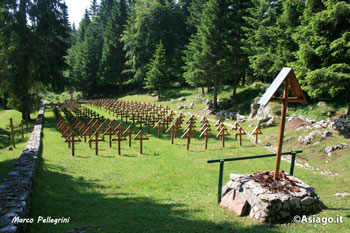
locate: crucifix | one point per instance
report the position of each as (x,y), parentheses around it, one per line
(290,84)
(141,137)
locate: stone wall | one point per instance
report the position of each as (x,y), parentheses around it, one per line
(16,189)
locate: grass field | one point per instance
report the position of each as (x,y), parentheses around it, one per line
(167,189)
(9,157)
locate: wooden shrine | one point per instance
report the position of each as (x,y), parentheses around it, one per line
(291,86)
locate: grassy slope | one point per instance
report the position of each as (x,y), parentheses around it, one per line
(9,157)
(165,190)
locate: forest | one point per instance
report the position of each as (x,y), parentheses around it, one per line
(125,45)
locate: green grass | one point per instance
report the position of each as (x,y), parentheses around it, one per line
(9,157)
(167,189)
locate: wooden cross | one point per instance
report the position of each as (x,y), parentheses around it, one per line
(110,131)
(206,134)
(222,134)
(70,139)
(217,123)
(240,131)
(256,132)
(118,137)
(96,140)
(88,132)
(189,126)
(133,118)
(235,127)
(174,128)
(141,137)
(149,122)
(130,133)
(291,84)
(205,126)
(159,126)
(188,134)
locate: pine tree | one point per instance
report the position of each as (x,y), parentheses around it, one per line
(113,55)
(214,54)
(157,74)
(148,23)
(324,49)
(25,72)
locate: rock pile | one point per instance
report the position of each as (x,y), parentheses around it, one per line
(225,115)
(244,196)
(261,113)
(343,123)
(340,146)
(314,135)
(323,124)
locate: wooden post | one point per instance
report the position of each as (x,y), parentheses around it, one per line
(281,132)
(12,134)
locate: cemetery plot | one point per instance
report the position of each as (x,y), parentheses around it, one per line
(94,126)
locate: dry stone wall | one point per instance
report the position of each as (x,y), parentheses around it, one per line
(16,189)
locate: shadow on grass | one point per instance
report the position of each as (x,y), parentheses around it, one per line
(5,167)
(58,194)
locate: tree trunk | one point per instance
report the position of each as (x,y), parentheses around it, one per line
(215,96)
(159,92)
(234,93)
(202,90)
(25,108)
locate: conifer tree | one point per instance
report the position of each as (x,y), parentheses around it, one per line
(113,55)
(323,55)
(157,74)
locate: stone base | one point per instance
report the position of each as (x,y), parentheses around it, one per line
(245,197)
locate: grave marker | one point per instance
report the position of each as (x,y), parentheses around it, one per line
(141,137)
